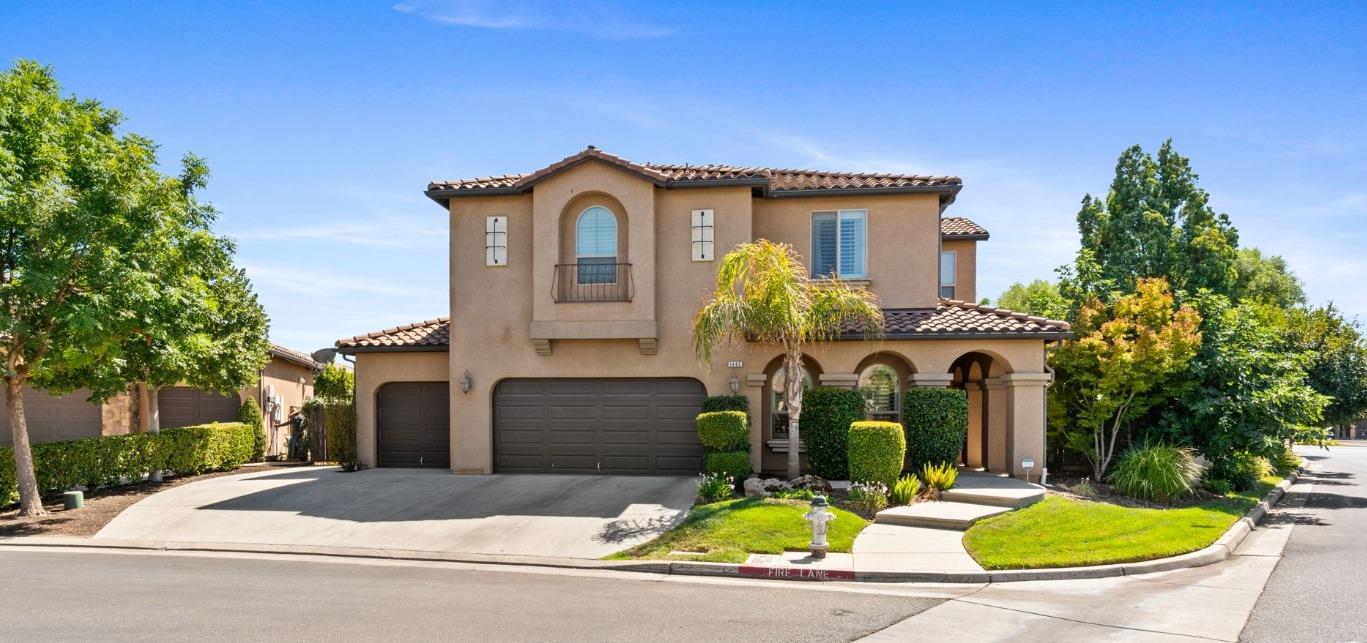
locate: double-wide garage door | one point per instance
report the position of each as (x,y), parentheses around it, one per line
(607,426)
(185,406)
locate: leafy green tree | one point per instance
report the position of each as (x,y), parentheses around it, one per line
(98,250)
(1266,279)
(1155,221)
(1039,297)
(1118,366)
(1244,391)
(334,383)
(1336,363)
(764,294)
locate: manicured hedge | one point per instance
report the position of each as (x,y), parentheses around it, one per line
(250,414)
(936,421)
(110,460)
(876,452)
(827,413)
(726,403)
(339,421)
(723,431)
(732,463)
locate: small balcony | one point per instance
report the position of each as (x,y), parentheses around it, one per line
(590,281)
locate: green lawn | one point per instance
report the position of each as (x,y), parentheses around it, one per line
(1062,532)
(729,531)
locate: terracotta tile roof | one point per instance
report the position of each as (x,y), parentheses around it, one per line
(961,228)
(774,182)
(431,334)
(952,318)
(295,357)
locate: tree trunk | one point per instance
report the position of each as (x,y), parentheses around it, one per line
(792,387)
(30,503)
(153,422)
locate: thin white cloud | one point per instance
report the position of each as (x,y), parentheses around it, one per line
(316,282)
(594,18)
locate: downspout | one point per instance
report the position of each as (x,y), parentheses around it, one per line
(1044,453)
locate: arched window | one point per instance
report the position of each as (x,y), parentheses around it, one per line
(780,401)
(879,384)
(595,246)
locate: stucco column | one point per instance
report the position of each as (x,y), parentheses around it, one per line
(995,388)
(975,454)
(754,391)
(932,380)
(840,380)
(1027,405)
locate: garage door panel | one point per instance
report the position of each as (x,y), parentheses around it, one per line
(413,427)
(185,406)
(617,426)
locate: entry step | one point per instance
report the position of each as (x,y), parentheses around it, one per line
(938,514)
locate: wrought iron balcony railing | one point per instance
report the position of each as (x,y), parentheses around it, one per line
(591,282)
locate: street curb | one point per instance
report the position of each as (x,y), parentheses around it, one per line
(1220,550)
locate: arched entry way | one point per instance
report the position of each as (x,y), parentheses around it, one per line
(985,445)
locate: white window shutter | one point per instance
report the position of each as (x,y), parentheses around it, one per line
(496,241)
(703,235)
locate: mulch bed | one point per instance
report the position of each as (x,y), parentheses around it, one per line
(1074,488)
(100,507)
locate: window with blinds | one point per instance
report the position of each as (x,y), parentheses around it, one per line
(949,265)
(840,244)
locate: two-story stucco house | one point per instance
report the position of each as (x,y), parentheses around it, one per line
(572,294)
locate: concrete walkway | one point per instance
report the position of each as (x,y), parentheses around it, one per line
(413,509)
(928,536)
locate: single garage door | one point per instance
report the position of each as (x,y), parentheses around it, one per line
(51,418)
(413,424)
(608,426)
(185,406)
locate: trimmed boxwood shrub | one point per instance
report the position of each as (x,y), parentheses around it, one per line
(936,422)
(877,450)
(726,403)
(339,422)
(724,431)
(250,414)
(827,413)
(115,459)
(732,463)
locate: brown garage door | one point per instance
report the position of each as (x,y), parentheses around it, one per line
(413,424)
(608,426)
(50,418)
(185,406)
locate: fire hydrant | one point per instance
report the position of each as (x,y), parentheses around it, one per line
(819,517)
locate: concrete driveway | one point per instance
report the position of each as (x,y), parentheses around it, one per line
(413,509)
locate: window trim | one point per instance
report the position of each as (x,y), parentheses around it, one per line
(839,216)
(953,278)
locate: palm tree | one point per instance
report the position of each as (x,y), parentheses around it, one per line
(764,295)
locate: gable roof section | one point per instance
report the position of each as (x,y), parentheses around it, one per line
(953,319)
(769,182)
(427,335)
(295,357)
(963,229)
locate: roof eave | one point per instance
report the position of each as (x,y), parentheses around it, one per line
(1051,335)
(352,350)
(966,237)
(946,191)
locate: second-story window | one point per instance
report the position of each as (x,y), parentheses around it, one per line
(595,246)
(840,244)
(949,265)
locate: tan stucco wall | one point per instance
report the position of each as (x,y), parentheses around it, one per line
(904,238)
(376,369)
(966,273)
(294,384)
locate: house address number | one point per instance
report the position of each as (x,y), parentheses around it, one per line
(734,364)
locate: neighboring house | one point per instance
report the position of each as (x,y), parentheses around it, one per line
(288,375)
(572,294)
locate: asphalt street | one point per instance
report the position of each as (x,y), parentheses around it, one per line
(76,596)
(1316,591)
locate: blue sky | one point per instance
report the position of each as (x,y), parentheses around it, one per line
(322,122)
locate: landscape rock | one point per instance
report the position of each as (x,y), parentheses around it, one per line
(754,488)
(809,481)
(774,484)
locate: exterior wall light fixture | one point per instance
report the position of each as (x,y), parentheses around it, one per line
(735,385)
(466,383)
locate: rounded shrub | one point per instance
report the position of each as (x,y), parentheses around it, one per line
(726,403)
(827,413)
(1156,472)
(723,430)
(733,464)
(936,421)
(876,452)
(1241,470)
